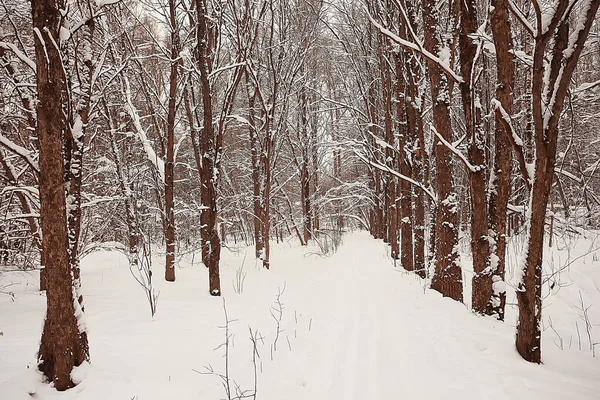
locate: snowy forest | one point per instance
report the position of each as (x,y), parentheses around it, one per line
(299,199)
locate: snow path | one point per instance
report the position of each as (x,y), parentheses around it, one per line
(386,337)
(354,327)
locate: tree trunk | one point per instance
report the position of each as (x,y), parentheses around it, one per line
(482,278)
(390,228)
(405,187)
(304,172)
(211,151)
(448,275)
(414,125)
(550,85)
(314,155)
(170,152)
(499,192)
(267,194)
(64,344)
(257,218)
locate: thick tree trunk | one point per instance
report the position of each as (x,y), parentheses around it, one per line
(499,192)
(420,165)
(416,137)
(73,145)
(448,275)
(550,85)
(64,343)
(529,291)
(482,278)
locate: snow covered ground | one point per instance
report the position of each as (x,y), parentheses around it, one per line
(352,327)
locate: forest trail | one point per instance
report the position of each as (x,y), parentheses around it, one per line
(377,328)
(354,327)
(357,335)
(388,337)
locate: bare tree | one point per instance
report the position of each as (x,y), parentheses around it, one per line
(64,339)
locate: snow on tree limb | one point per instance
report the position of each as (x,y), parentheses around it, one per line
(20,151)
(20,55)
(418,48)
(387,169)
(158,163)
(459,154)
(515,140)
(521,18)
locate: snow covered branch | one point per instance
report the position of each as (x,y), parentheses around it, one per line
(20,151)
(459,154)
(419,49)
(516,142)
(158,163)
(20,55)
(387,169)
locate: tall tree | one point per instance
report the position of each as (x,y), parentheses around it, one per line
(211,145)
(499,185)
(448,275)
(558,39)
(469,60)
(170,150)
(64,339)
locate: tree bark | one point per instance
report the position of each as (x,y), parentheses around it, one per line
(305,197)
(416,137)
(482,278)
(210,146)
(170,151)
(448,275)
(390,228)
(257,218)
(550,85)
(499,191)
(64,344)
(404,144)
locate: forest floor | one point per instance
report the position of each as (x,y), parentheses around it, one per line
(351,326)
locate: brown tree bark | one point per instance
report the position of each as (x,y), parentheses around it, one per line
(170,150)
(390,228)
(482,278)
(266,225)
(448,275)
(403,69)
(257,218)
(314,158)
(64,345)
(376,223)
(211,149)
(416,138)
(499,191)
(305,196)
(550,84)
